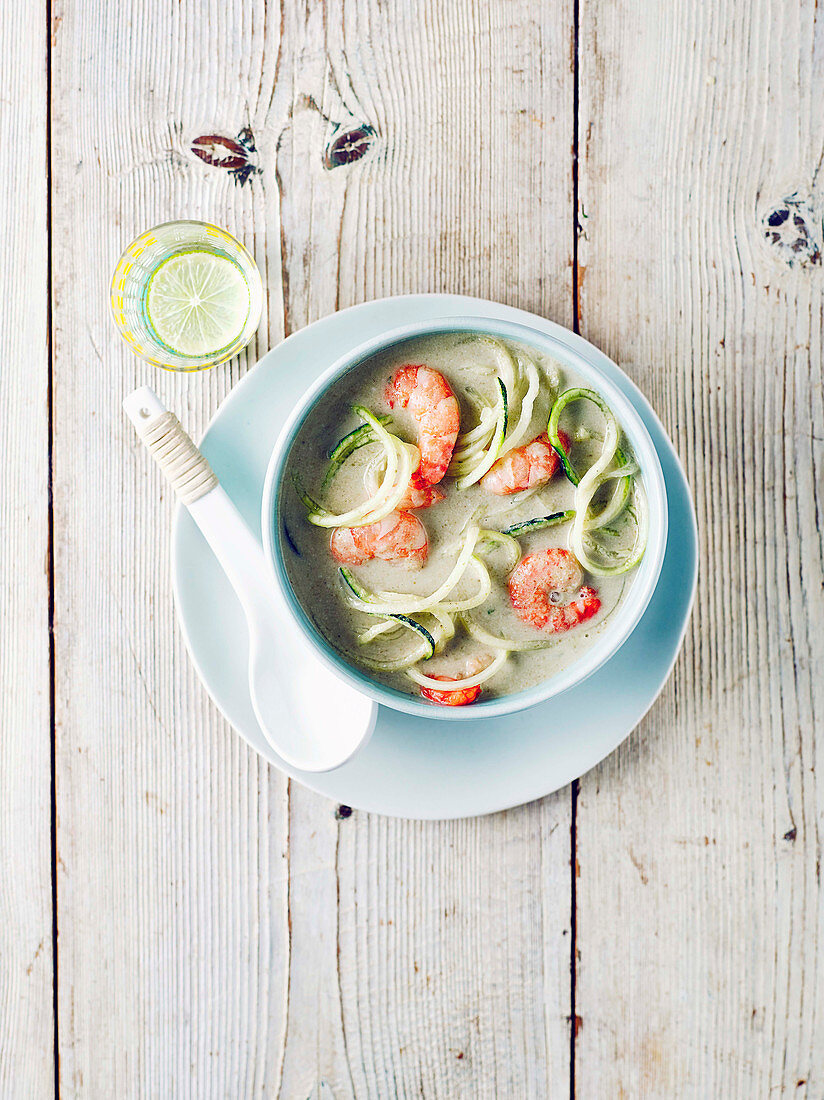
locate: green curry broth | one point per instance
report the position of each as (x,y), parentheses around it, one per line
(314,574)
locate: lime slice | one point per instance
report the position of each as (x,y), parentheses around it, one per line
(197,302)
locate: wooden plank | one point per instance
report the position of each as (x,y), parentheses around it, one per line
(172,833)
(454,943)
(163,857)
(427,958)
(26,1013)
(701,837)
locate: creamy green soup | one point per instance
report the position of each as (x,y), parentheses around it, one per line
(507,587)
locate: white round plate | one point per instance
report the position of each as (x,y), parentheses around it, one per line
(413,767)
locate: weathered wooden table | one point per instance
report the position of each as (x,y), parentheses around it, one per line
(176,919)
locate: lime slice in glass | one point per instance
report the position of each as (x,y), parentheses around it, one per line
(197,302)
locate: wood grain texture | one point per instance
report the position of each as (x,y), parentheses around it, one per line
(172,834)
(225,933)
(454,943)
(702,836)
(221,934)
(26,1017)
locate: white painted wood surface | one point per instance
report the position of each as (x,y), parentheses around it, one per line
(266,946)
(702,835)
(221,931)
(26,1016)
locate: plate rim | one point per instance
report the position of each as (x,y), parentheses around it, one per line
(490,806)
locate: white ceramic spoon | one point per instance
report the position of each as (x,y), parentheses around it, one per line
(312,719)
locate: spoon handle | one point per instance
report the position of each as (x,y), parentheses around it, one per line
(185,468)
(197,487)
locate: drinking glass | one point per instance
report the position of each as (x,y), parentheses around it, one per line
(142,259)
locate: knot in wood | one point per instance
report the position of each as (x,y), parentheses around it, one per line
(348,147)
(793,231)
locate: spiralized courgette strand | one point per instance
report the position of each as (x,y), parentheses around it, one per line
(480,447)
(435,613)
(578,543)
(481,677)
(476,460)
(504,426)
(516,435)
(502,540)
(475,630)
(430,640)
(527,526)
(399,458)
(478,597)
(388,626)
(616,503)
(506,366)
(358,437)
(432,636)
(400,603)
(584,523)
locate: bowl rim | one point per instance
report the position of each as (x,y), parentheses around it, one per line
(582,357)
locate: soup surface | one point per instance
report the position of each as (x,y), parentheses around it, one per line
(494,569)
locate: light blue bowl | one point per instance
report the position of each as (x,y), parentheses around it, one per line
(580,357)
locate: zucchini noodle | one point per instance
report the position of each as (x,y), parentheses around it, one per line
(398,603)
(507,366)
(447,625)
(479,597)
(388,626)
(479,434)
(375,469)
(420,653)
(434,639)
(521,427)
(459,685)
(350,443)
(576,541)
(503,539)
(484,589)
(566,398)
(487,459)
(495,434)
(479,448)
(458,541)
(390,492)
(583,523)
(527,526)
(472,445)
(476,631)
(615,505)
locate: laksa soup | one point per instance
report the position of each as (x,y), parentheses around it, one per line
(461,516)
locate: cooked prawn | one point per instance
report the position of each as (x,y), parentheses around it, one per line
(547,591)
(463,696)
(418,494)
(421,495)
(398,537)
(429,398)
(524,468)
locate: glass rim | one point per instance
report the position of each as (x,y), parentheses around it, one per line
(174,361)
